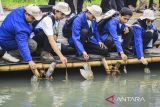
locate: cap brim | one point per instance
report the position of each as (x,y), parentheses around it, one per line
(151,18)
(109,15)
(65,12)
(99,18)
(38,17)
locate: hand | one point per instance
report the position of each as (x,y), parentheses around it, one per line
(151,31)
(85,56)
(126,30)
(63,60)
(33,67)
(102,45)
(124,57)
(144,61)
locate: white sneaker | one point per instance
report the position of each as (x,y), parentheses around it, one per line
(10,58)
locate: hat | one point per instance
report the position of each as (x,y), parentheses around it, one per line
(62,7)
(109,14)
(34,10)
(96,11)
(148,14)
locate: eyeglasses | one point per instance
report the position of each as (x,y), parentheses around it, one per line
(148,20)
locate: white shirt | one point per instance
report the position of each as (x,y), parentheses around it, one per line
(47,25)
(89,23)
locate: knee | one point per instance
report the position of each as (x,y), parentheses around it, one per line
(149,34)
(32,45)
(110,40)
(84,32)
(155,35)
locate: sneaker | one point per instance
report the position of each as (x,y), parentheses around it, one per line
(46,56)
(10,58)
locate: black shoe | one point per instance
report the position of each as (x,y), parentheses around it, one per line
(2,52)
(139,11)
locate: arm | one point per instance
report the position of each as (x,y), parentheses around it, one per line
(48,29)
(97,36)
(22,42)
(112,28)
(138,43)
(53,44)
(76,27)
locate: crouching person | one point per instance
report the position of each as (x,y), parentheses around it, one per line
(85,35)
(15,31)
(46,32)
(145,34)
(114,32)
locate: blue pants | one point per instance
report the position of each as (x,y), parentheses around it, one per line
(8,45)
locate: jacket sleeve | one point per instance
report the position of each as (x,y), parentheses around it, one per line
(152,27)
(97,36)
(138,43)
(112,28)
(22,35)
(76,27)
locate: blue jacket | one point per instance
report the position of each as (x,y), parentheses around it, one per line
(114,28)
(15,31)
(139,28)
(80,21)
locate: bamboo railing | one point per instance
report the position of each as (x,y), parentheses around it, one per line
(22,67)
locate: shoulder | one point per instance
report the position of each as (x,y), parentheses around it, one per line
(47,19)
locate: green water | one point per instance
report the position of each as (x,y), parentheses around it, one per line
(17,90)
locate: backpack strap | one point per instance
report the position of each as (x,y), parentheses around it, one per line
(53,18)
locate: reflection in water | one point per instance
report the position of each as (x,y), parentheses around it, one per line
(78,93)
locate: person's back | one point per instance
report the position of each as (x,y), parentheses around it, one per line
(13,24)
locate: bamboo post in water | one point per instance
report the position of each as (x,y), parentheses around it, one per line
(106,66)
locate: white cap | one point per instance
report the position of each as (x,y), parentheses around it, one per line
(63,7)
(148,14)
(109,13)
(96,11)
(34,10)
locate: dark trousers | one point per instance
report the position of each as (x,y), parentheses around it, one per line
(43,45)
(51,2)
(117,4)
(2,52)
(105,5)
(90,47)
(95,49)
(79,5)
(151,3)
(42,42)
(148,36)
(130,2)
(127,39)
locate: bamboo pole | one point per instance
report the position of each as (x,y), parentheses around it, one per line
(106,66)
(22,67)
